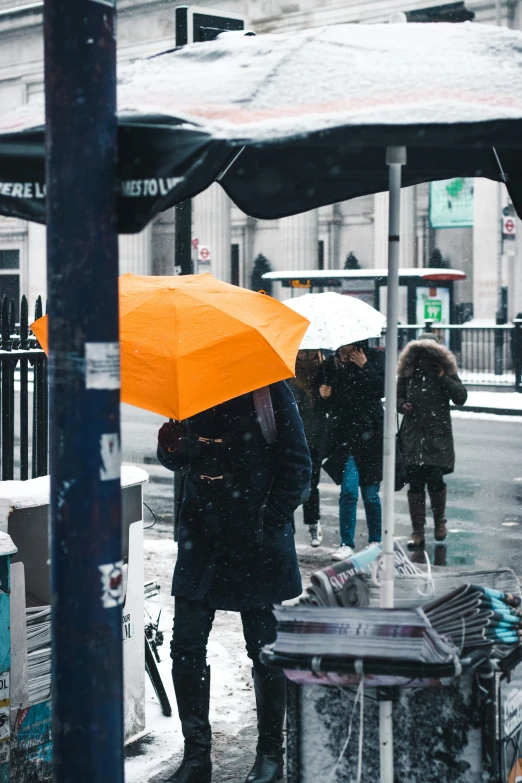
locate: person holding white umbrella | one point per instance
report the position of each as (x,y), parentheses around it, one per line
(350,386)
(352,392)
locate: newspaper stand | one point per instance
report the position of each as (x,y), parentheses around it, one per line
(458,724)
(24,514)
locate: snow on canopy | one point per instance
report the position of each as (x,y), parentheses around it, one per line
(279,85)
(291,122)
(286,84)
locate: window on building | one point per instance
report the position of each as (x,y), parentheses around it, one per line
(449,12)
(234,264)
(320,254)
(9,259)
(10,276)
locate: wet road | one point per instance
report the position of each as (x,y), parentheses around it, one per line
(484,494)
(484,499)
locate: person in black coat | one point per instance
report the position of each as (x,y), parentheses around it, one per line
(304,388)
(236,552)
(352,391)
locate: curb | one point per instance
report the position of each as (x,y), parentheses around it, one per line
(481,409)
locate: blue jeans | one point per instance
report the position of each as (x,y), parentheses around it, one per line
(348,506)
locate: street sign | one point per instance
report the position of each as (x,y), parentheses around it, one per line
(433,310)
(509,228)
(204,256)
(194,25)
(195,242)
(451,203)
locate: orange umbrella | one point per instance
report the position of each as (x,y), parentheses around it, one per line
(190,342)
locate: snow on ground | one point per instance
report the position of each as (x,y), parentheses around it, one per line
(493,399)
(231,699)
(497,417)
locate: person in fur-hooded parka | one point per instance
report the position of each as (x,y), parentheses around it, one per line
(427,383)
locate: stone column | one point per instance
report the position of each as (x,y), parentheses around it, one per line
(485,249)
(298,241)
(135,252)
(211,224)
(380,231)
(36,265)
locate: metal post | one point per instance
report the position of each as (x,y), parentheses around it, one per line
(24,391)
(183,238)
(517,322)
(498,316)
(82,259)
(395,159)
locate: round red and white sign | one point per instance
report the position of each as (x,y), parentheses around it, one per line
(204,254)
(509,227)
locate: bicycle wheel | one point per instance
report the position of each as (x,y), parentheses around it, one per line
(155,678)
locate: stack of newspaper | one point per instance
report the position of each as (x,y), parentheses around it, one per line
(392,634)
(349,582)
(478,617)
(38,652)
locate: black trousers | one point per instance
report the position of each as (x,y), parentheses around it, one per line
(421,475)
(311,512)
(193,623)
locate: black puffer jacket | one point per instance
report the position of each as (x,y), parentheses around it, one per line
(426,435)
(356,415)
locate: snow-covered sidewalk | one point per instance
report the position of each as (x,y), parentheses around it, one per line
(495,402)
(232,707)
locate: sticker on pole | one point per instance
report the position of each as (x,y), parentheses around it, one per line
(102,366)
(112,584)
(110,456)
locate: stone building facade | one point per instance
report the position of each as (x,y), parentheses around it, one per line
(322,238)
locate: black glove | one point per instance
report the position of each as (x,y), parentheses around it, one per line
(171,436)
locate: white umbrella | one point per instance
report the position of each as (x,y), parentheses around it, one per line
(336,320)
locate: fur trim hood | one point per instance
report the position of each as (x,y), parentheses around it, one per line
(438,352)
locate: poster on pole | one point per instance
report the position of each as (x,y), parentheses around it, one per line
(451,203)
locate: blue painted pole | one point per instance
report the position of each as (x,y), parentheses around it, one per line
(82,257)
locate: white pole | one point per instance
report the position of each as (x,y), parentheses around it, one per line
(395,159)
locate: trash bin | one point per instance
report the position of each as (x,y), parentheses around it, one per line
(7,550)
(460,725)
(24,515)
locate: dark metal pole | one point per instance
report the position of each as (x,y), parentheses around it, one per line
(517,322)
(24,391)
(82,253)
(183,238)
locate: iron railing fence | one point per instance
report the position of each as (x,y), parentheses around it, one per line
(486,355)
(24,420)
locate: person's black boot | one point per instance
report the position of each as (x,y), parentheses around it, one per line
(271,706)
(192,687)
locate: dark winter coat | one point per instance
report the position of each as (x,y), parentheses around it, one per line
(313,415)
(236,542)
(355,416)
(426,435)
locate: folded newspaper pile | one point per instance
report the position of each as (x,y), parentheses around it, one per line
(478,617)
(384,634)
(349,582)
(38,652)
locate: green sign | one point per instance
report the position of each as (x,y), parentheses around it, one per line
(433,310)
(451,203)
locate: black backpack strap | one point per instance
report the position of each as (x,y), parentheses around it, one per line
(265,414)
